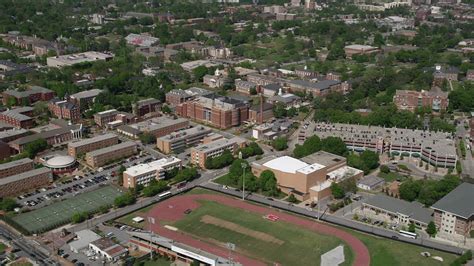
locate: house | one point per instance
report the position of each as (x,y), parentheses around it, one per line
(107,249)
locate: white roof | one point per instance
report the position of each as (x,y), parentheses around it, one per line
(84,238)
(343,172)
(286,164)
(138,219)
(60,161)
(154,166)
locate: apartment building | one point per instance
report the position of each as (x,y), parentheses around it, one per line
(212,149)
(29,96)
(454,213)
(18,117)
(63,109)
(77,148)
(144,107)
(217,111)
(103,118)
(73,59)
(178,141)
(435,99)
(158,127)
(436,148)
(109,154)
(179,96)
(143,174)
(308,178)
(16,184)
(84,98)
(16,167)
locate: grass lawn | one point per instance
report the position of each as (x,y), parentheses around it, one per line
(127,219)
(392,176)
(294,245)
(156,262)
(392,253)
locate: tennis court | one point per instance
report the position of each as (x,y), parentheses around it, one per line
(60,213)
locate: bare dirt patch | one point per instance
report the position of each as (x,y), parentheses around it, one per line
(208,219)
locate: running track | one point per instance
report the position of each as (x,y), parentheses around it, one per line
(173,210)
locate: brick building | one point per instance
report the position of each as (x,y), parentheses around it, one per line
(98,142)
(84,98)
(16,167)
(106,155)
(308,178)
(220,112)
(442,73)
(179,96)
(16,184)
(244,87)
(29,96)
(454,213)
(20,117)
(63,109)
(158,127)
(212,149)
(436,99)
(102,118)
(143,107)
(261,113)
(178,141)
(319,88)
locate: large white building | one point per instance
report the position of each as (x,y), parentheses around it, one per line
(143,174)
(72,59)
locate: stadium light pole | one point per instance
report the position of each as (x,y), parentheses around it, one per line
(243,176)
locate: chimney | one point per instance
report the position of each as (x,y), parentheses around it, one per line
(261,108)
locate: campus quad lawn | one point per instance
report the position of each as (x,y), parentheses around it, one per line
(300,247)
(389,252)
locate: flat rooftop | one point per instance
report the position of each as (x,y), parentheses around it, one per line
(208,147)
(324,158)
(112,148)
(144,168)
(157,123)
(440,142)
(186,133)
(25,175)
(86,94)
(12,132)
(8,165)
(92,140)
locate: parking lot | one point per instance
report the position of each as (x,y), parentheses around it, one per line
(79,184)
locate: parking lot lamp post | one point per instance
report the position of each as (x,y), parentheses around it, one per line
(243,180)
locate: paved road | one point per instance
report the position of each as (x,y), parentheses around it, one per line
(29,249)
(334,219)
(468,163)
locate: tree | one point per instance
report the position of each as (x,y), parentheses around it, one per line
(147,138)
(411,227)
(337,191)
(124,200)
(268,183)
(235,168)
(199,72)
(8,204)
(79,217)
(292,199)
(280,143)
(154,188)
(34,147)
(166,109)
(384,169)
(186,174)
(410,189)
(431,229)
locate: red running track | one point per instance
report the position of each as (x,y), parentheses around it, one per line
(173,210)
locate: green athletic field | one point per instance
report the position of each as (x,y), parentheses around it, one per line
(299,247)
(60,213)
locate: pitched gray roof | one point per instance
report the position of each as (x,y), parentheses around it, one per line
(414,210)
(459,201)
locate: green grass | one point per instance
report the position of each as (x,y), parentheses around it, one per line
(300,247)
(392,176)
(2,247)
(156,262)
(127,219)
(59,213)
(388,252)
(224,180)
